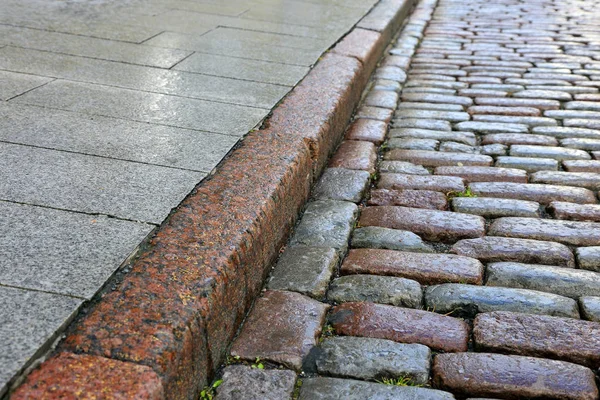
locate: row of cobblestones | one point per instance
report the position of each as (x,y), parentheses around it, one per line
(452,247)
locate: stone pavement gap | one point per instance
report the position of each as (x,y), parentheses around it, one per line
(451,249)
(111,113)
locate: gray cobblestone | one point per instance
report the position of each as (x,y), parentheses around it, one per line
(385,238)
(376,289)
(469,300)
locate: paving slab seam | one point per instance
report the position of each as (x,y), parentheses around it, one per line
(424,267)
(162,332)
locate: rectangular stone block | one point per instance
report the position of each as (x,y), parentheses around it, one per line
(495,208)
(305,270)
(496,375)
(541,193)
(408,198)
(556,153)
(484,174)
(269,334)
(443,184)
(425,268)
(568,232)
(566,282)
(402,325)
(436,159)
(462,300)
(539,336)
(417,133)
(430,224)
(587,180)
(326,223)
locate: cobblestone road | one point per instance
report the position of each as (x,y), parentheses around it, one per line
(453,246)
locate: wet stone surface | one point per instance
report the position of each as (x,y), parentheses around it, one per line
(305,270)
(326,223)
(376,289)
(568,232)
(402,167)
(588,258)
(409,198)
(442,184)
(270,334)
(468,300)
(373,359)
(488,249)
(347,389)
(243,382)
(590,308)
(484,374)
(494,208)
(342,184)
(564,339)
(424,268)
(575,212)
(429,224)
(535,192)
(401,325)
(376,237)
(566,282)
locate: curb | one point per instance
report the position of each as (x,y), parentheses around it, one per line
(162,333)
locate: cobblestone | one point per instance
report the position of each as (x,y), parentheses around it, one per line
(376,289)
(443,184)
(588,180)
(409,198)
(342,184)
(590,308)
(462,137)
(489,249)
(535,192)
(430,224)
(575,212)
(527,164)
(517,377)
(538,335)
(519,138)
(243,382)
(494,208)
(403,167)
(403,325)
(436,159)
(484,174)
(269,333)
(588,258)
(347,389)
(567,232)
(468,300)
(326,223)
(367,130)
(384,238)
(557,153)
(372,359)
(354,154)
(425,268)
(566,282)
(305,270)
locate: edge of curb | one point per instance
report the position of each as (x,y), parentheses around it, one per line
(168,325)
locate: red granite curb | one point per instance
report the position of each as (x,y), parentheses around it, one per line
(167,326)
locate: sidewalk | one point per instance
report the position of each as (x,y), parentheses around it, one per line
(111,113)
(452,247)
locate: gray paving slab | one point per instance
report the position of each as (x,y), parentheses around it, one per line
(27,320)
(91,184)
(185,84)
(243,68)
(241,48)
(91,47)
(114,138)
(60,251)
(13,84)
(296,42)
(154,108)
